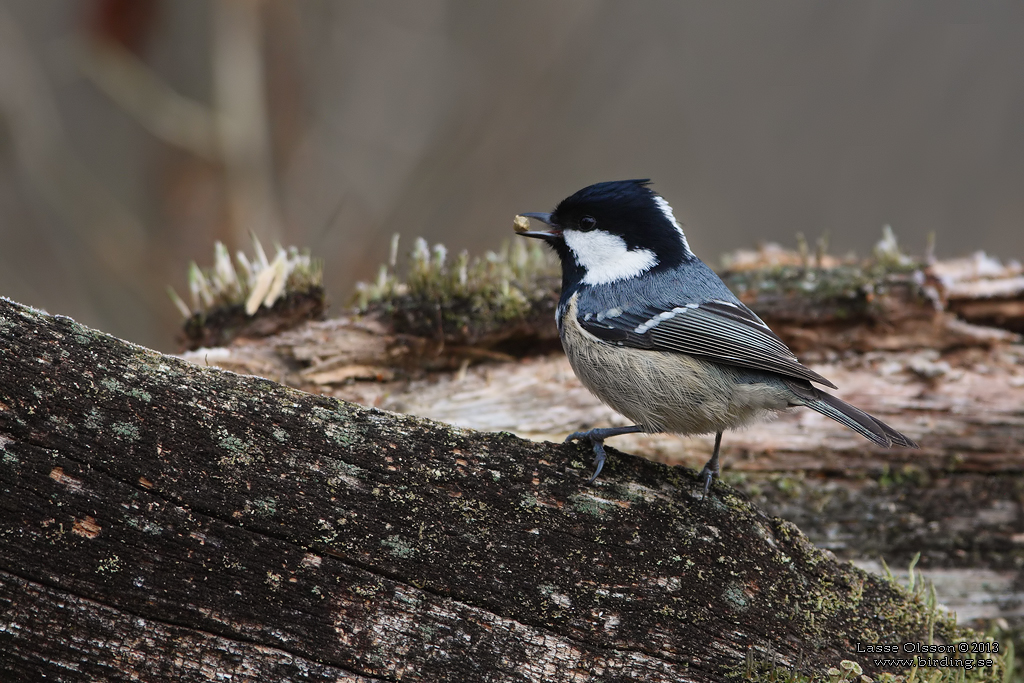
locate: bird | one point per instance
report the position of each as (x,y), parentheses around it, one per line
(656,335)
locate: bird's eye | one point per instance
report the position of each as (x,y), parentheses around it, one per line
(587,223)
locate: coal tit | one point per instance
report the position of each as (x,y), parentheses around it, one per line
(654,333)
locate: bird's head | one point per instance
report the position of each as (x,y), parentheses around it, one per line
(612,231)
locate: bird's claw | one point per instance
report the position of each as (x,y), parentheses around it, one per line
(599,454)
(599,458)
(706,475)
(576,436)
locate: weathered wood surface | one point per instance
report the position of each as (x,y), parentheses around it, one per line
(907,351)
(162,521)
(964,407)
(893,342)
(958,500)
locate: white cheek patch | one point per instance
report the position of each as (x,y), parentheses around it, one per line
(667,210)
(605,257)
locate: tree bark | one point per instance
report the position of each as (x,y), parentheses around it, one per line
(163,521)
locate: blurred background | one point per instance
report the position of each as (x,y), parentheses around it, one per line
(134,133)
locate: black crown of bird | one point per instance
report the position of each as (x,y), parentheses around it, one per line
(655,334)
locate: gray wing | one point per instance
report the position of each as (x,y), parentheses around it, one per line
(717,330)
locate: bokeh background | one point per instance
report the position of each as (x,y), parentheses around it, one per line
(134,133)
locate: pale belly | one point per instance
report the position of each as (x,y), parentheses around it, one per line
(669,392)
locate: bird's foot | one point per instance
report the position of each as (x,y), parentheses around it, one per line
(597,437)
(598,443)
(711,467)
(706,475)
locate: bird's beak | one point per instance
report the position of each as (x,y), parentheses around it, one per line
(521,226)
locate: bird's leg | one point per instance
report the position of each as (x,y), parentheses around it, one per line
(597,437)
(711,468)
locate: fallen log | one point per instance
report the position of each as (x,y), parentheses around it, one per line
(163,521)
(903,339)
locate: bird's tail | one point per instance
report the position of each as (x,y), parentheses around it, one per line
(868,426)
